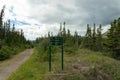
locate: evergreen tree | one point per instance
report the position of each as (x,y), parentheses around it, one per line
(12,40)
(76,39)
(1,16)
(113,41)
(94,38)
(48,34)
(13,29)
(1,23)
(87,42)
(99,38)
(68,33)
(60,30)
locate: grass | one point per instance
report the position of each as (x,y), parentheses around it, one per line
(32,69)
(107,67)
(82,65)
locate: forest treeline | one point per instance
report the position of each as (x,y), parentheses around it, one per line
(93,39)
(11,41)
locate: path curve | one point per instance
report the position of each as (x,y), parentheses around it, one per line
(9,66)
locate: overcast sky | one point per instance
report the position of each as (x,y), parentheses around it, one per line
(37,17)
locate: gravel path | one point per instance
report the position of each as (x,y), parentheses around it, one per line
(9,66)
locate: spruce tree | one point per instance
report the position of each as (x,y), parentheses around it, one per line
(99,38)
(68,33)
(1,17)
(94,38)
(1,23)
(87,41)
(60,30)
(113,41)
(76,39)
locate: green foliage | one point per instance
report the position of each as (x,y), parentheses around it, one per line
(99,40)
(5,52)
(76,39)
(113,41)
(42,49)
(70,49)
(106,67)
(1,16)
(87,42)
(93,39)
(11,41)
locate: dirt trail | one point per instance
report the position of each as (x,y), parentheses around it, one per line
(9,66)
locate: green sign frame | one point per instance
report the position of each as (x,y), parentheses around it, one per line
(56,41)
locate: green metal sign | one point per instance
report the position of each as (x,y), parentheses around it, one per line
(56,41)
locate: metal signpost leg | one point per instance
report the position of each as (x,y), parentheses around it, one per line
(50,58)
(62,58)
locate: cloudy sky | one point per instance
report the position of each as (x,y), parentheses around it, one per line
(37,17)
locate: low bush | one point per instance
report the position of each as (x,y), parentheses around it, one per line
(42,49)
(5,53)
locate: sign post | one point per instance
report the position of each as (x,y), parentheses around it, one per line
(49,57)
(56,41)
(62,58)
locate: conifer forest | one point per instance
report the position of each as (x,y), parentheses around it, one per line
(60,54)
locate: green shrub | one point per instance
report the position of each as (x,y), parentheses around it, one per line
(42,49)
(5,53)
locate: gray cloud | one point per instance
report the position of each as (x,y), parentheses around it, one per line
(45,15)
(102,11)
(75,12)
